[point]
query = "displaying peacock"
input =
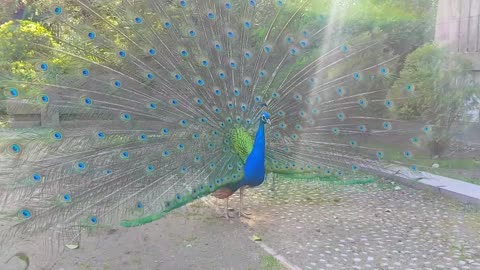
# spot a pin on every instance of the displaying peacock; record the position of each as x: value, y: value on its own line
x: 148, y: 105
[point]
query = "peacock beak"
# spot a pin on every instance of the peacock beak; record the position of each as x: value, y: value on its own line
x: 269, y: 122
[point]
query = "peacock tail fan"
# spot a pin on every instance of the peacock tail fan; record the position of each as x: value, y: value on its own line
x: 148, y: 105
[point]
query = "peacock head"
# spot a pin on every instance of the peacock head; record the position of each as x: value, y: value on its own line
x: 266, y: 118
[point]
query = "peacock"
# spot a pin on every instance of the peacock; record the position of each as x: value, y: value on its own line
x: 146, y: 105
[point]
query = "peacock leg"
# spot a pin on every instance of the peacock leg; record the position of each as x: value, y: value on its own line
x: 241, y: 213
x: 227, y: 216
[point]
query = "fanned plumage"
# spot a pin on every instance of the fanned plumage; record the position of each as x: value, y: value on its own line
x: 157, y: 103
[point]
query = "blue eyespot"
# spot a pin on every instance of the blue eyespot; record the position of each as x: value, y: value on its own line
x: 221, y: 75
x: 85, y: 72
x: 218, y: 92
x: 15, y: 148
x: 236, y: 92
x: 211, y: 15
x: 230, y: 34
x: 152, y: 105
x: 228, y: 6
x: 150, y: 76
x: 344, y: 48
x: 165, y: 131
x: 43, y: 66
x: 80, y: 165
x: 407, y: 154
x: 13, y: 92
x: 125, y: 116
x: 93, y: 220
x: 233, y: 64
x: 91, y: 35
x: 152, y: 51
x: 117, y: 83
x: 178, y: 77
x: 36, y: 177
x: 387, y: 125
x: 253, y: 3
x: 409, y: 87
x: 168, y: 25
x: 67, y: 198
x: 88, y: 101
x: 379, y: 154
x: 142, y: 137
x: 100, y: 135
x: 122, y: 54
x: 267, y: 49
x: 174, y: 102
x: 262, y: 73
x: 57, y: 10
x: 183, y: 3
x: 26, y: 213
x: 138, y: 20
x: 45, y: 99
x: 218, y: 47
x: 150, y: 168
x: 57, y: 135
x: 192, y: 33
x: 125, y: 155
x: 388, y: 104
x: 247, y: 24
x: 184, y: 53
x: 200, y: 82
x: 139, y: 205
x: 166, y: 153
x: 205, y: 63
x: 356, y: 76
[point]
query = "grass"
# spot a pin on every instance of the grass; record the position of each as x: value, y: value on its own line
x: 424, y: 162
x: 270, y: 263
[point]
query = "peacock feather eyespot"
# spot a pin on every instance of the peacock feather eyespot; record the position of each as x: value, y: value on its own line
x: 407, y: 154
x: 184, y: 53
x: 218, y: 46
x: 149, y: 76
x: 44, y: 99
x: 379, y: 154
x: 258, y: 99
x: 243, y: 107
x: 262, y: 73
x: 166, y: 153
x: 93, y: 220
x: 231, y: 105
x: 211, y: 15
x: 409, y: 87
x: 229, y: 120
x: 122, y: 54
x: 183, y: 122
x: 340, y: 91
x: 183, y: 170
x: 275, y: 95
x: 124, y: 155
x: 25, y: 213
x: 150, y: 168
x: 57, y: 10
x: 356, y: 76
x: 344, y: 48
x: 341, y: 116
x: 248, y: 121
x: 138, y: 20
x: 183, y: 3
x: 200, y: 82
x: 36, y: 177
x: 233, y: 64
x: 67, y: 197
x: 414, y: 140
x: 91, y: 35
x: 282, y: 125
x: 388, y: 104
x: 228, y: 6
x: 205, y: 63
x: 143, y: 137
x: 139, y: 205
x: 281, y: 113
x: 197, y: 158
x: 353, y: 143
x: 125, y: 117
x: 413, y: 168
x: 211, y: 186
x: 267, y: 49
x: 304, y: 43
x: 247, y: 24
x: 293, y: 51
x: 236, y: 92
x: 15, y: 148
x: 192, y: 33
x: 298, y: 127
x: 167, y: 25
x: 181, y: 146
x: 280, y: 3
x: 355, y: 168
x: 152, y: 105
x: 252, y: 3
x: 117, y: 83
x: 13, y: 92
x: 221, y: 74
x: 384, y: 71
x: 294, y: 137
x: 217, y: 181
x: 87, y: 101
x: 362, y: 128
x: 107, y: 172
x: 387, y: 125
x: 195, y: 136
x: 85, y: 72
x: 427, y: 129
x: 101, y: 135
x: 336, y: 131
x: 174, y: 102
x: 246, y: 82
x: 230, y: 34
x: 57, y: 135
x: 328, y: 171
x: 212, y: 165
x: 305, y: 33
x: 80, y: 165
x: 44, y: 66
x: 177, y: 77
x: 165, y: 131
x: 362, y: 102
x: 339, y: 173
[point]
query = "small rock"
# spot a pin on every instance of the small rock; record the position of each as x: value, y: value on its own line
x: 388, y: 210
x: 436, y: 165
x: 397, y: 188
